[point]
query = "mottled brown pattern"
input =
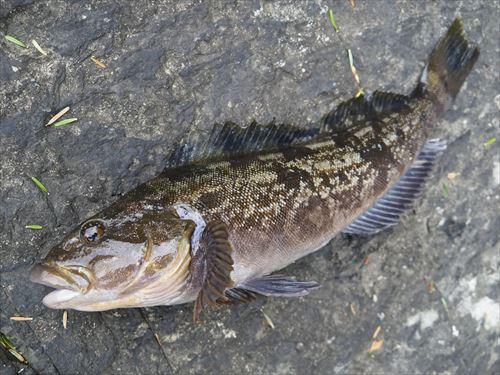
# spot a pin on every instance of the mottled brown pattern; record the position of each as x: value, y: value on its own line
x: 282, y: 204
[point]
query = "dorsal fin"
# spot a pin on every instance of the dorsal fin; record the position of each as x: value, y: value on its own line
x: 225, y: 140
x: 360, y: 111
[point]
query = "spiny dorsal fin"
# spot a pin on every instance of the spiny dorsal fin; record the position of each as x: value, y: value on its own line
x: 388, y: 209
x: 361, y: 110
x: 211, y: 266
x: 225, y: 140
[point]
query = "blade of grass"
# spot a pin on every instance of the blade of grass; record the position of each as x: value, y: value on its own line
x: 34, y: 227
x: 14, y: 40
x: 65, y: 122
x: 9, y: 347
x: 39, y: 184
x: 331, y: 16
x: 57, y: 116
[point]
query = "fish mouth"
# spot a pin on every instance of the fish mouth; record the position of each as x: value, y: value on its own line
x: 75, y: 278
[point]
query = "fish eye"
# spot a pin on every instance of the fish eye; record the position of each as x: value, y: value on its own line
x: 92, y: 232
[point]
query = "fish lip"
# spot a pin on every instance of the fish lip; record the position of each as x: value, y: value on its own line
x: 61, y: 278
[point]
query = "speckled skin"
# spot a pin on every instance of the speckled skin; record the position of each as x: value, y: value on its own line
x: 278, y: 205
x: 284, y: 204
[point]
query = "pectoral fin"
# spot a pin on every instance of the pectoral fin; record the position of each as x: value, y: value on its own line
x: 270, y: 286
x: 211, y: 267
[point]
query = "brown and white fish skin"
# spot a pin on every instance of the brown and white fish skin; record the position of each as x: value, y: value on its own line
x: 206, y: 231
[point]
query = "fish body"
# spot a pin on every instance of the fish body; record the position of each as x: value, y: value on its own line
x: 213, y: 229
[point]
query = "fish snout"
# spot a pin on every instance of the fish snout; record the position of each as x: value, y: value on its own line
x: 54, y: 276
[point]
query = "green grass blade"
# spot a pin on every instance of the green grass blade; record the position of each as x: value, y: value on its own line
x: 65, y: 122
x: 39, y: 184
x: 332, y: 20
x: 34, y: 227
x: 11, y: 39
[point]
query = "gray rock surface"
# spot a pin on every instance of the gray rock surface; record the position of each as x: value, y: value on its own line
x: 177, y: 65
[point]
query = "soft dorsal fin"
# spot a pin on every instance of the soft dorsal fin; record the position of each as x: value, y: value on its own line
x: 361, y: 110
x: 400, y: 198
x: 225, y: 140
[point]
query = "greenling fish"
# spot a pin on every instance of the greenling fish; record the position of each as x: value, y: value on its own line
x: 245, y: 202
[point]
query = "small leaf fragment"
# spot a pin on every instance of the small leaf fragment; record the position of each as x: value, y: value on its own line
x: 9, y: 347
x: 268, y: 320
x: 376, y: 345
x: 39, y: 184
x: 38, y: 48
x: 65, y: 319
x: 65, y: 122
x: 57, y: 116
x: 377, y: 331
x: 21, y: 318
x: 14, y: 40
x: 490, y: 141
x: 34, y: 227
x: 446, y: 192
x: 331, y: 16
x: 98, y: 62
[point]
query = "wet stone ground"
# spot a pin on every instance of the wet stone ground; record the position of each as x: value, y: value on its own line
x: 430, y: 283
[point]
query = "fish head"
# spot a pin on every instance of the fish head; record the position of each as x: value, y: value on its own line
x: 130, y: 255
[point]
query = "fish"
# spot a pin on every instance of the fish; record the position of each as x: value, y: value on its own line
x: 236, y: 205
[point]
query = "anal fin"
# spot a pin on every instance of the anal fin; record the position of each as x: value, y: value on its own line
x: 388, y: 209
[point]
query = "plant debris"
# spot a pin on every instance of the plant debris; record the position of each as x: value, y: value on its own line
x: 21, y: 318
x: 10, y: 348
x: 38, y: 48
x: 377, y: 331
x: 490, y: 141
x: 65, y: 319
x: 355, y: 74
x: 14, y: 40
x: 98, y: 62
x: 332, y: 20
x: 430, y: 287
x: 353, y: 308
x: 34, y: 227
x: 57, y: 116
x: 446, y: 192
x: 376, y: 345
x: 452, y: 175
x: 65, y: 122
x: 39, y: 184
x: 268, y: 320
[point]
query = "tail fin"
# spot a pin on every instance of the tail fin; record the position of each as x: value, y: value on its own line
x: 449, y: 65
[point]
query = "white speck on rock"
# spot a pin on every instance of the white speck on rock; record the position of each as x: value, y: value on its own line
x: 487, y: 311
x: 426, y: 319
x: 15, y: 68
x: 229, y: 333
x: 496, y: 173
x: 454, y: 331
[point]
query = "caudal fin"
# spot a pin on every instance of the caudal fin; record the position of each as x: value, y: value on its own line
x: 449, y: 65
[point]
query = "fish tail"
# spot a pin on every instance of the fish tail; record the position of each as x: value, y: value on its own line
x: 448, y: 66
